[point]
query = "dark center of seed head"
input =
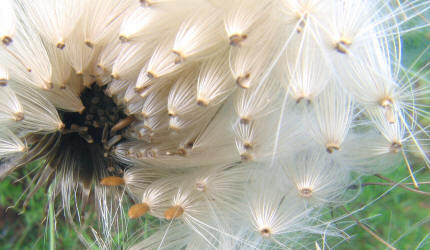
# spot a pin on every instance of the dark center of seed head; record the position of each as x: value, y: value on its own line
x: 88, y: 137
x: 99, y: 116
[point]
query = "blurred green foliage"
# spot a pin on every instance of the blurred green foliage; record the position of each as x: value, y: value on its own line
x: 27, y: 229
x: 400, y: 217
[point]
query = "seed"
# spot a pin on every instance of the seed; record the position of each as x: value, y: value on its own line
x: 112, y: 181
x: 173, y: 212
x: 138, y: 210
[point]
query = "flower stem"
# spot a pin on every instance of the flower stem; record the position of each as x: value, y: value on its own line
x: 402, y: 185
x: 51, y: 218
x: 365, y: 228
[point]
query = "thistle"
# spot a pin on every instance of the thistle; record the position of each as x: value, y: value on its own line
x: 236, y: 123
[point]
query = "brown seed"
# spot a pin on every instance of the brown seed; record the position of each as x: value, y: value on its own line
x: 305, y: 192
x: 171, y: 113
x: 202, y: 102
x: 395, y: 147
x: 245, y: 120
x: 342, y: 46
x: 61, y: 45
x: 151, y: 75
x: 112, y: 141
x: 243, y: 81
x: 145, y: 3
x: 77, y: 128
x: 3, y: 82
x: 179, y: 57
x: 248, y: 145
x: 331, y: 148
x: 89, y: 44
x: 105, y: 135
x: 246, y: 157
x: 266, y: 232
x: 123, y: 123
x: 123, y: 38
x: 6, y: 40
x: 138, y: 210
x: 173, y: 212
x: 308, y: 101
x: 190, y: 144
x: 112, y: 181
x: 302, y: 23
x: 236, y: 40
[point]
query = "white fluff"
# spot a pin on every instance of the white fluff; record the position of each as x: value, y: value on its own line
x: 198, y: 34
x: 214, y: 83
x: 334, y: 114
x: 54, y: 19
x: 7, y: 21
x: 10, y: 107
x: 10, y: 143
x: 102, y: 19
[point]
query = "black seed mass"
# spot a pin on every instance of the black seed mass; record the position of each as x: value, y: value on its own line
x: 83, y: 146
x: 100, y: 112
